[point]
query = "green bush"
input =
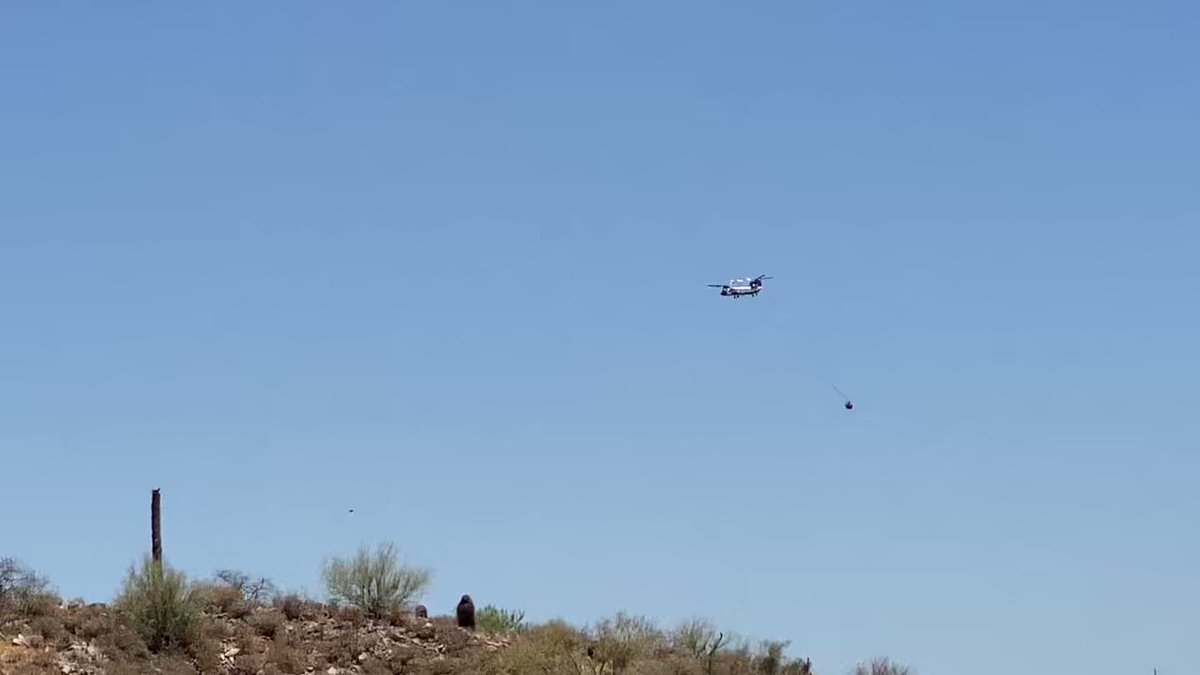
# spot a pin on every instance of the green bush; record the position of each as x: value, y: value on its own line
x: 377, y: 583
x: 496, y: 621
x: 160, y: 606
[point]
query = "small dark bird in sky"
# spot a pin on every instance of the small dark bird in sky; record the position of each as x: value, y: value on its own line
x: 351, y: 510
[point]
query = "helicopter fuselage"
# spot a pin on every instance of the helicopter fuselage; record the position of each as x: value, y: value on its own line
x: 739, y: 291
x: 736, y: 288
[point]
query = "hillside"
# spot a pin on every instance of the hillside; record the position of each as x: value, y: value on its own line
x: 273, y: 638
x: 162, y: 622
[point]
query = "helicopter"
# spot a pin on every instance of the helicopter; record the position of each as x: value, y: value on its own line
x: 739, y: 287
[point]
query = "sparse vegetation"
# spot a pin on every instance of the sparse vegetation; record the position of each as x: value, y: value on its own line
x: 17, y: 580
x: 24, y: 590
x: 254, y: 591
x: 496, y: 621
x: 623, y: 640
x: 160, y: 605
x: 772, y: 661
x: 232, y: 623
x: 377, y: 583
x: 697, y: 637
x: 882, y: 666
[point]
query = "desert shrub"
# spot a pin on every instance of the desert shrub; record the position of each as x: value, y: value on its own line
x: 51, y: 629
x: 160, y: 606
x: 696, y: 637
x: 707, y: 649
x: 796, y: 667
x: 377, y: 583
x: 292, y: 605
x: 494, y: 620
x: 671, y: 664
x: 38, y: 605
x: 17, y: 580
x: 116, y: 640
x: 881, y: 666
x: 24, y: 591
x: 352, y: 615
x: 770, y: 660
x: 205, y: 651
x: 625, y: 639
x: 234, y: 594
x: 444, y: 621
x: 268, y: 623
x: 217, y: 598
x: 623, y: 644
x: 400, y: 617
x: 257, y: 592
x: 555, y: 648
x: 712, y: 652
x: 285, y: 657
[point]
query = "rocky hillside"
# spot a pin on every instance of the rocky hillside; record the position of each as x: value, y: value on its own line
x: 289, y: 636
x: 161, y: 622
x: 285, y: 638
x: 292, y: 636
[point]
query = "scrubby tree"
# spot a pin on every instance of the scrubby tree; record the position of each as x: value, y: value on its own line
x: 19, y: 582
x: 160, y: 604
x: 882, y: 666
x: 377, y: 583
x: 255, y: 591
x: 624, y: 639
x: 25, y: 591
x: 771, y: 659
x: 696, y: 637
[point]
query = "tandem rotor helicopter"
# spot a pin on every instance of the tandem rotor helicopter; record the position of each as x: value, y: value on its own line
x: 736, y: 288
x: 739, y: 287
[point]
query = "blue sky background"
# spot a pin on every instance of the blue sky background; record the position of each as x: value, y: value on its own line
x: 446, y: 265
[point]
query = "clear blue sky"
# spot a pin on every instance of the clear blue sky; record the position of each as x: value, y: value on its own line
x: 446, y: 266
